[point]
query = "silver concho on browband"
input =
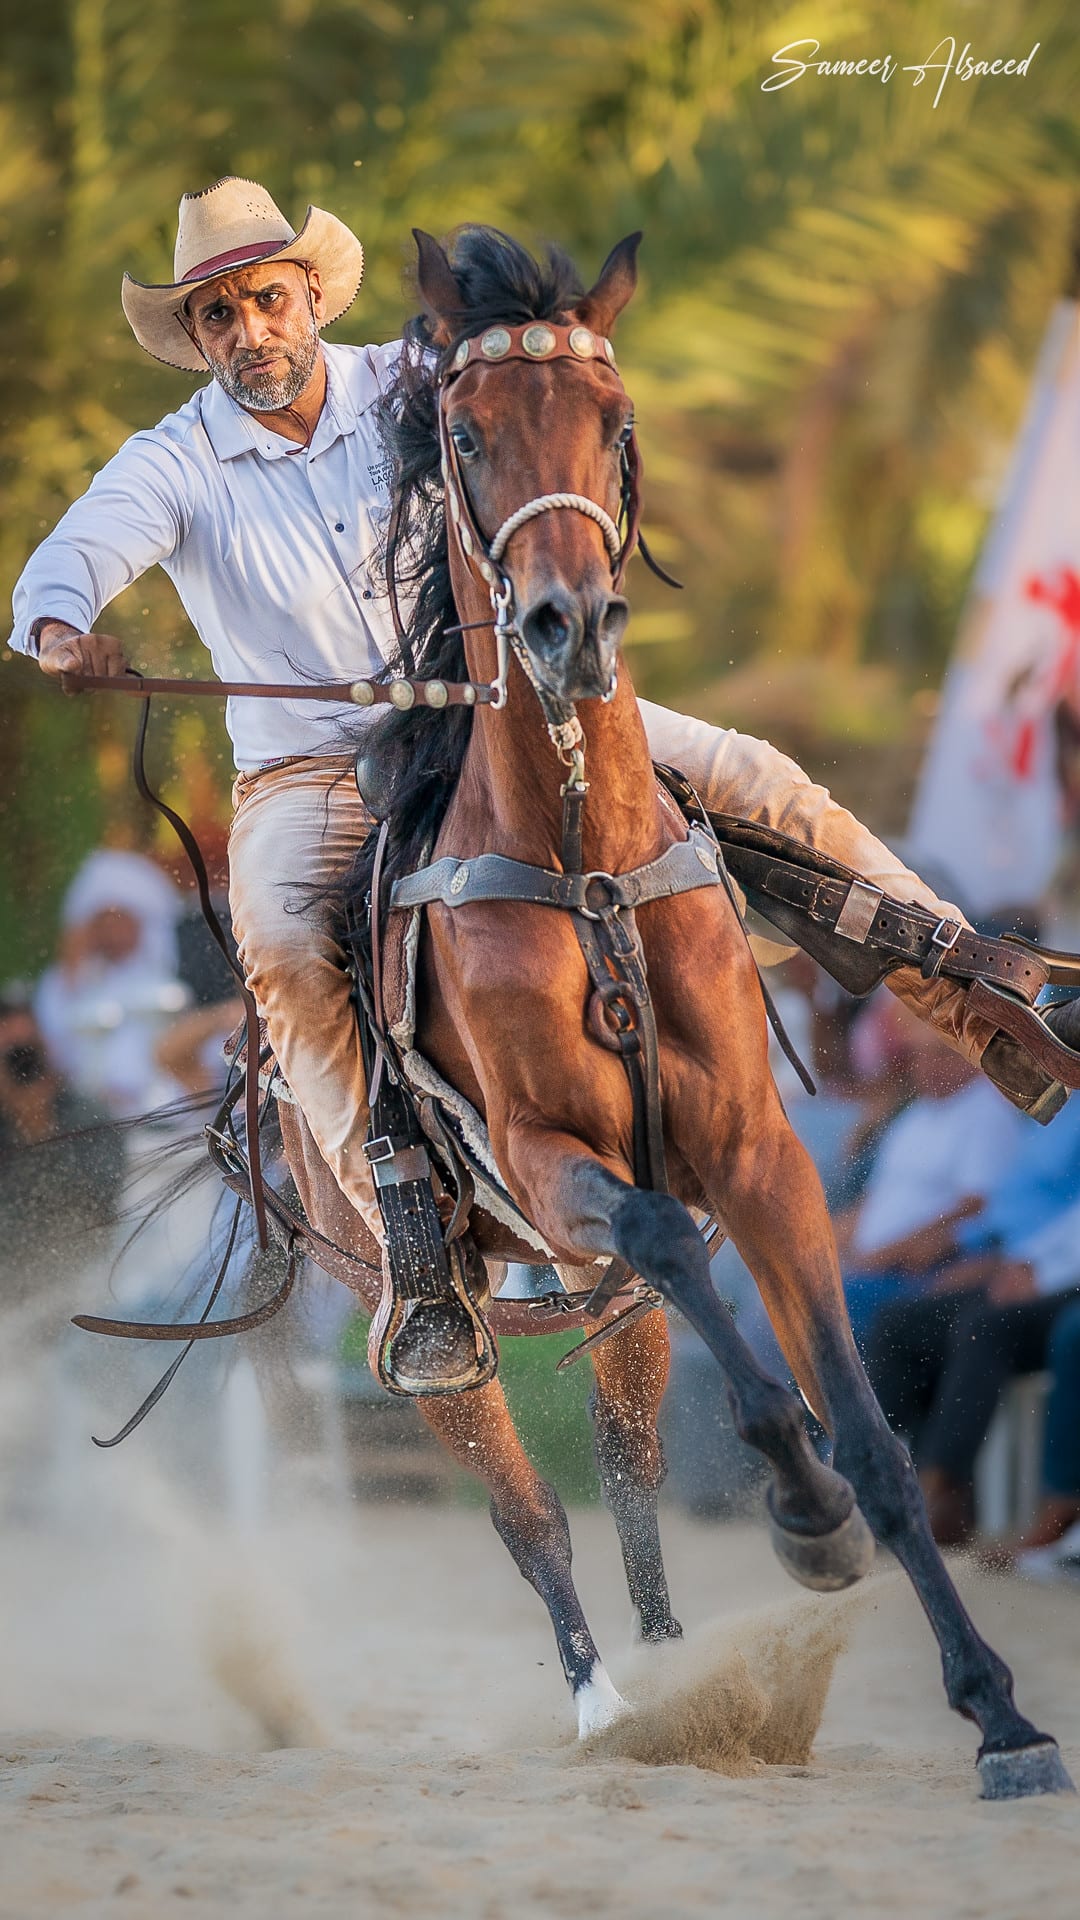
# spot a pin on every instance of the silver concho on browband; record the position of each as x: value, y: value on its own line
x: 539, y: 340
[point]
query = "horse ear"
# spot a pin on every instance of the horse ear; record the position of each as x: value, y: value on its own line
x: 439, y: 290
x: 603, y: 304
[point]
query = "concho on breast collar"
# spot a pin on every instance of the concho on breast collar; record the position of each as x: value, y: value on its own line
x: 538, y: 341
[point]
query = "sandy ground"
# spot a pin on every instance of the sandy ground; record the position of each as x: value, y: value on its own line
x: 360, y: 1711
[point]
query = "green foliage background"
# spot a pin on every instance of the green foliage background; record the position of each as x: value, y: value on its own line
x: 843, y: 293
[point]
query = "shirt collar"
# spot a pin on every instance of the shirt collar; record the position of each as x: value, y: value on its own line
x: 339, y: 413
x: 232, y: 430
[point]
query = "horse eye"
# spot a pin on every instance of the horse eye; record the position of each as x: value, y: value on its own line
x: 464, y: 443
x: 627, y: 433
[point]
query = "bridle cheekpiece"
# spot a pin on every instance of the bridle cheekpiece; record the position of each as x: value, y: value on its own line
x: 538, y: 341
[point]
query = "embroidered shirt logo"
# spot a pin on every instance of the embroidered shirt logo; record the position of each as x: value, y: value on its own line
x: 381, y: 472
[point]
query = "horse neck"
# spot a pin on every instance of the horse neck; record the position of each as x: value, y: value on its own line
x: 509, y: 796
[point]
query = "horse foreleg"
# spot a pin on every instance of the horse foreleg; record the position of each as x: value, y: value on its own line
x: 631, y: 1375
x: 789, y: 1247
x: 530, y: 1520
x: 582, y: 1206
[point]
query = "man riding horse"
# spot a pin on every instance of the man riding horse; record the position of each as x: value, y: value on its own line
x: 265, y: 501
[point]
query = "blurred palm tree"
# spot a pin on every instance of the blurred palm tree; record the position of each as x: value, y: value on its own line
x: 843, y: 292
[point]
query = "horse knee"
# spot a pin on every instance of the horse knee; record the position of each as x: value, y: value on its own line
x: 656, y: 1235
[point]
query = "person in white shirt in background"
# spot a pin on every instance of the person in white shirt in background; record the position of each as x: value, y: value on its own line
x: 937, y: 1164
x: 265, y: 500
x: 115, y: 988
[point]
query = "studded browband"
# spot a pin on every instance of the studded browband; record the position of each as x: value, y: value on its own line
x: 539, y: 340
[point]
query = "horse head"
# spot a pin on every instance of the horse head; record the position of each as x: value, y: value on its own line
x: 541, y: 469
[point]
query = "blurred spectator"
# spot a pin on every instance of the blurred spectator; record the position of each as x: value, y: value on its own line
x: 882, y: 1043
x: 936, y: 1166
x: 1061, y: 1456
x: 201, y: 964
x: 940, y: 1365
x: 54, y: 1188
x: 1050, y: 1545
x: 115, y: 985
x: 191, y: 1051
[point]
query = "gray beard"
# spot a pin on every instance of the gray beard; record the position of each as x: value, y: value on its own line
x: 266, y: 395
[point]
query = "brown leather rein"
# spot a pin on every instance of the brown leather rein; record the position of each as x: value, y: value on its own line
x: 402, y: 694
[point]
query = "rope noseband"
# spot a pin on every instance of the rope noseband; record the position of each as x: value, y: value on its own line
x: 546, y: 503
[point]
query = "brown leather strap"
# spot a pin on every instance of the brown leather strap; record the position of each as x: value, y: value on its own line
x: 251, y: 1013
x: 773, y: 868
x: 195, y: 1329
x: 1063, y: 968
x: 359, y: 693
x: 378, y: 1012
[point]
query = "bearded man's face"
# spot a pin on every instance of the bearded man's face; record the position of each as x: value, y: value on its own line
x: 259, y: 331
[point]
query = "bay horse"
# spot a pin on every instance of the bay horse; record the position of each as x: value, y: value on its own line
x: 532, y: 435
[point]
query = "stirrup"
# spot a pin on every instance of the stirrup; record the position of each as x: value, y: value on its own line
x: 436, y: 1341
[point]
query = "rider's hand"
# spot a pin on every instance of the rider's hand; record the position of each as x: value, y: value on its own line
x: 1014, y: 1281
x: 61, y: 649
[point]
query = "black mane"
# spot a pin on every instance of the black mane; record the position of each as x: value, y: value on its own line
x: 418, y: 755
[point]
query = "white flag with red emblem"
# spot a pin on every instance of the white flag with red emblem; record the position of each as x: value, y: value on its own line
x: 999, y: 782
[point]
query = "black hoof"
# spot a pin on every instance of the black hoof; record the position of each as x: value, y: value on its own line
x: 827, y: 1562
x: 1023, y: 1771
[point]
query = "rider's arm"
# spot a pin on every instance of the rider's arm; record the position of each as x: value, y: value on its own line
x: 135, y: 512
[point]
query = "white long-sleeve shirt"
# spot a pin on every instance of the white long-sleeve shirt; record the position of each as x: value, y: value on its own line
x: 1053, y: 1252
x: 272, y: 548
x: 936, y: 1154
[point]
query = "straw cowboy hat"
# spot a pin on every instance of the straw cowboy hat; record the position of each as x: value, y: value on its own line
x: 233, y: 224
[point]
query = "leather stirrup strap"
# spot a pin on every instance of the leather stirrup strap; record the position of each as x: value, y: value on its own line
x: 378, y: 1011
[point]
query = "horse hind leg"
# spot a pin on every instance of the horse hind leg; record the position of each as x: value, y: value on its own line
x: 631, y: 1376
x: 530, y: 1520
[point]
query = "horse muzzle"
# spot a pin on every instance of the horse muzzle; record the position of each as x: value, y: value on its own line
x: 573, y: 641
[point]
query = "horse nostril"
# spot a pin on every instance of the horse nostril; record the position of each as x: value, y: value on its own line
x: 613, y: 621
x: 550, y: 628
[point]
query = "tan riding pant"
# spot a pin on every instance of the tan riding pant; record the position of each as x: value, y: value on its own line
x: 297, y: 826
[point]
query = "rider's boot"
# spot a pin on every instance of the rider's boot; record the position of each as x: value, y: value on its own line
x: 423, y: 1347
x: 428, y: 1334
x: 1035, y: 1077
